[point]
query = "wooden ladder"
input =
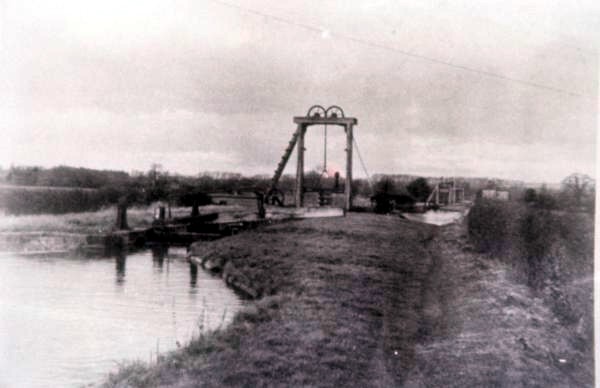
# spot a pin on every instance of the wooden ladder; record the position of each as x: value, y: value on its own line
x: 284, y: 159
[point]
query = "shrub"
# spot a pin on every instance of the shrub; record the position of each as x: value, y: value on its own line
x: 489, y: 224
x: 552, y: 250
x: 547, y: 200
x: 189, y: 196
x: 538, y: 229
x: 385, y: 185
x: 383, y: 204
x: 419, y: 189
x: 518, y: 234
x: 530, y: 196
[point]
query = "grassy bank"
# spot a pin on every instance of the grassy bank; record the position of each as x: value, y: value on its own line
x: 550, y: 251
x: 491, y: 329
x: 374, y: 301
x: 341, y: 306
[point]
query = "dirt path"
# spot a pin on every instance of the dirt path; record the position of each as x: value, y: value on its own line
x: 482, y: 329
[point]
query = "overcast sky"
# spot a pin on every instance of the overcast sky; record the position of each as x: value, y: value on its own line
x: 472, y: 88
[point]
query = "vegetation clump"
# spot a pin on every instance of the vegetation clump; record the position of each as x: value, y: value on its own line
x: 389, y: 196
x: 419, y: 189
x: 549, y: 244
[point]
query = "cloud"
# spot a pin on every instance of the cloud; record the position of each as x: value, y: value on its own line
x: 148, y: 81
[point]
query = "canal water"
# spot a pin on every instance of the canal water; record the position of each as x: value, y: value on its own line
x: 434, y: 217
x: 67, y: 322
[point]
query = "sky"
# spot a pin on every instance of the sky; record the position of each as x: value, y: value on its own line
x: 507, y: 89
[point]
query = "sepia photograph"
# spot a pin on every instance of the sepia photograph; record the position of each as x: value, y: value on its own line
x: 262, y: 193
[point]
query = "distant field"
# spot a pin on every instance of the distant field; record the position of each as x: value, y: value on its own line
x: 82, y: 222
x: 42, y: 188
x: 64, y: 232
x: 99, y: 221
x: 49, y: 200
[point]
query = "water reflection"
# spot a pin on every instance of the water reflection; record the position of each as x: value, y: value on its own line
x: 120, y: 261
x: 434, y: 217
x: 193, y: 275
x: 99, y: 319
x: 159, y: 252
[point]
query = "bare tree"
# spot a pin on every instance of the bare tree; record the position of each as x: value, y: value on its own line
x: 578, y: 187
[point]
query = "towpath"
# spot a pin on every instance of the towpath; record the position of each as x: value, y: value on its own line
x: 368, y: 300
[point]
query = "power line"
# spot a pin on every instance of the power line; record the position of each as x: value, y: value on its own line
x: 466, y: 68
x: 425, y: 58
x: 270, y: 16
x: 502, y: 27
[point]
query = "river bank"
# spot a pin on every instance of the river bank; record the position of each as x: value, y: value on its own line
x: 340, y: 306
x: 97, y: 221
x: 371, y: 300
x: 66, y: 232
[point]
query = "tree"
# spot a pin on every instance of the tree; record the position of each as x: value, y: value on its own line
x: 384, y: 189
x: 313, y: 179
x: 578, y: 187
x: 155, y: 172
x: 530, y: 196
x: 385, y: 186
x: 419, y: 189
x: 546, y: 199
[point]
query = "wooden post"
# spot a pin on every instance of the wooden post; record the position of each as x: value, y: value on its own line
x: 159, y: 252
x: 195, y: 210
x: 120, y: 262
x: 193, y: 274
x: 121, y: 223
x: 300, y: 167
x: 260, y: 203
x: 348, y: 183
